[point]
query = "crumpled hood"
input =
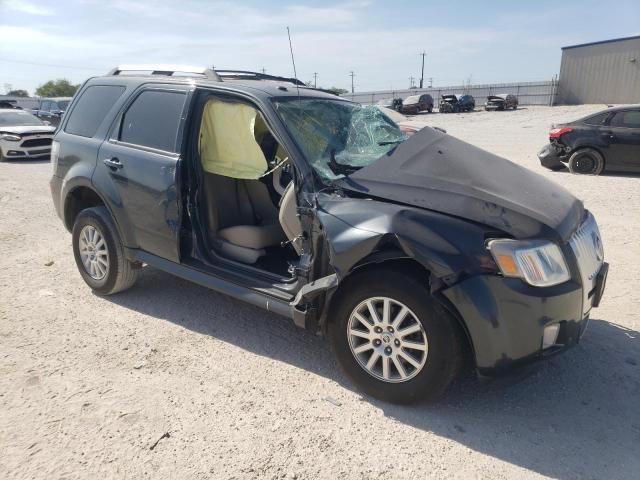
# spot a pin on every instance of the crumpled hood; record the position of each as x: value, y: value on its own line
x: 22, y: 129
x: 438, y: 172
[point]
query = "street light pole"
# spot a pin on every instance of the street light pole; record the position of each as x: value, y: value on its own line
x: 422, y: 76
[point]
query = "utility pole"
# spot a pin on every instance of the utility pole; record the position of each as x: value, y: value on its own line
x: 411, y: 82
x: 430, y: 82
x: 422, y: 76
x: 264, y: 70
x: 351, y: 74
x: 315, y: 79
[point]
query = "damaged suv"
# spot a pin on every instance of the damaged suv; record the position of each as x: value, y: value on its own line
x: 410, y: 253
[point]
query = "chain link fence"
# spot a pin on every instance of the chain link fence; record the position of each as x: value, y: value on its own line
x: 528, y: 93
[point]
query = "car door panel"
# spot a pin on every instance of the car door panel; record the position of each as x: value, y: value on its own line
x: 623, y: 137
x: 142, y: 185
x: 145, y: 194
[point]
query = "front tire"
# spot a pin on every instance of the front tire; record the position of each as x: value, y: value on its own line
x: 99, y: 253
x: 586, y: 161
x: 393, y: 339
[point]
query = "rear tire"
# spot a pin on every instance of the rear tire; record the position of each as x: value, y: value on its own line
x: 375, y: 358
x: 99, y: 253
x: 586, y: 161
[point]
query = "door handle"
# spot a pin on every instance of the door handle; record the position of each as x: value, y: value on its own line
x: 112, y: 163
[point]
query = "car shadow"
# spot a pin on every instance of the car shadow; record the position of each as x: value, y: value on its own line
x: 575, y: 416
x: 605, y: 174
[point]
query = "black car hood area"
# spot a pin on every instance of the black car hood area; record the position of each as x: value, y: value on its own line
x: 438, y: 172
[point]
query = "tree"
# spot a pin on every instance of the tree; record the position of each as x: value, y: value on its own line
x: 18, y: 93
x: 336, y: 90
x: 57, y: 88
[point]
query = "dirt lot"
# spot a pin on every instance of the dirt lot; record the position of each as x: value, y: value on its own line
x: 88, y: 385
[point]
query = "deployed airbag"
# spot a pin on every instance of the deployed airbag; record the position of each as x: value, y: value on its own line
x: 227, y: 142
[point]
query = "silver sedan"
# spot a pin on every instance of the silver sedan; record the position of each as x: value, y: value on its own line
x: 24, y: 136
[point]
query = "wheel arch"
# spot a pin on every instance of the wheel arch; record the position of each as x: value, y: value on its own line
x: 397, y: 260
x: 78, y: 199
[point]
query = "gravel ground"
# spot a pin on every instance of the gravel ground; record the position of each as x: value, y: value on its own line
x: 170, y: 380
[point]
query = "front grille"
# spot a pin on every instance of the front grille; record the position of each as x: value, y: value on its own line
x: 36, y: 142
x: 586, y: 244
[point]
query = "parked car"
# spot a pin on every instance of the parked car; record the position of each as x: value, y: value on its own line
x: 23, y: 136
x: 406, y: 124
x: 457, y: 103
x: 503, y: 101
x: 324, y: 211
x: 392, y: 103
x: 606, y: 141
x: 10, y: 104
x: 52, y: 109
x: 417, y: 103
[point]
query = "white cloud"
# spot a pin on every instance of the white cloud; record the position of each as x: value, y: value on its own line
x: 29, y: 8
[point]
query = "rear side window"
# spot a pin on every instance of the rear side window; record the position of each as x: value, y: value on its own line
x: 630, y: 119
x: 91, y: 108
x: 153, y: 119
x: 597, y: 119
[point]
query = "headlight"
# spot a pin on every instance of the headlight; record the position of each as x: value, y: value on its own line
x: 11, y: 138
x: 538, y: 262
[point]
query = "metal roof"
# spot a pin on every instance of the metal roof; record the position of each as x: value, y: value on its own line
x: 602, y: 41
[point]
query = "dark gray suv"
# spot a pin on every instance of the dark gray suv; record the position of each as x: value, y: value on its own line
x: 410, y: 253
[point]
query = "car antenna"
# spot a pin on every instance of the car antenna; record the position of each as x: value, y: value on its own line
x: 295, y: 74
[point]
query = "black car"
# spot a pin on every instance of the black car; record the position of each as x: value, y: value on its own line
x: 324, y: 211
x: 457, y: 103
x: 502, y: 101
x: 416, y: 103
x: 605, y: 141
x: 52, y: 109
x: 10, y: 104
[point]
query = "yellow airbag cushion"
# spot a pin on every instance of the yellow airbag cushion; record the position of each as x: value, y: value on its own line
x: 227, y: 143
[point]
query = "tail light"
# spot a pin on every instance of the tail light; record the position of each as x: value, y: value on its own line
x: 556, y: 133
x: 55, y: 151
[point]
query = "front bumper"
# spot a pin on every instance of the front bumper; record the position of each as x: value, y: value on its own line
x: 505, y: 318
x: 15, y: 152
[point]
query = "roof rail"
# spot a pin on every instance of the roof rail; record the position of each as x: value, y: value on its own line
x: 248, y: 75
x: 169, y: 70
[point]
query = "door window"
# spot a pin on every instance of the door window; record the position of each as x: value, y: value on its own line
x: 628, y: 119
x: 598, y: 119
x: 45, y: 106
x: 153, y: 119
x: 91, y: 109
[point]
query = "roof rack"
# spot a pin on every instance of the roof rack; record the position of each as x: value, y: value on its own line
x: 248, y: 75
x: 168, y: 70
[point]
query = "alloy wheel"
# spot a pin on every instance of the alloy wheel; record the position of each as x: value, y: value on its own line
x: 93, y: 252
x: 387, y: 339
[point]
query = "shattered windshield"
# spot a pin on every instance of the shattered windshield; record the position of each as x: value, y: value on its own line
x: 338, y: 137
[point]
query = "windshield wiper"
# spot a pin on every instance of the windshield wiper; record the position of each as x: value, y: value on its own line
x: 390, y: 142
x: 340, y: 168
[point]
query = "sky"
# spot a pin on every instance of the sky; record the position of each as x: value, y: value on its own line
x: 380, y: 41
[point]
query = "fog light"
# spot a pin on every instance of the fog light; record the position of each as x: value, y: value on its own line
x: 550, y: 335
